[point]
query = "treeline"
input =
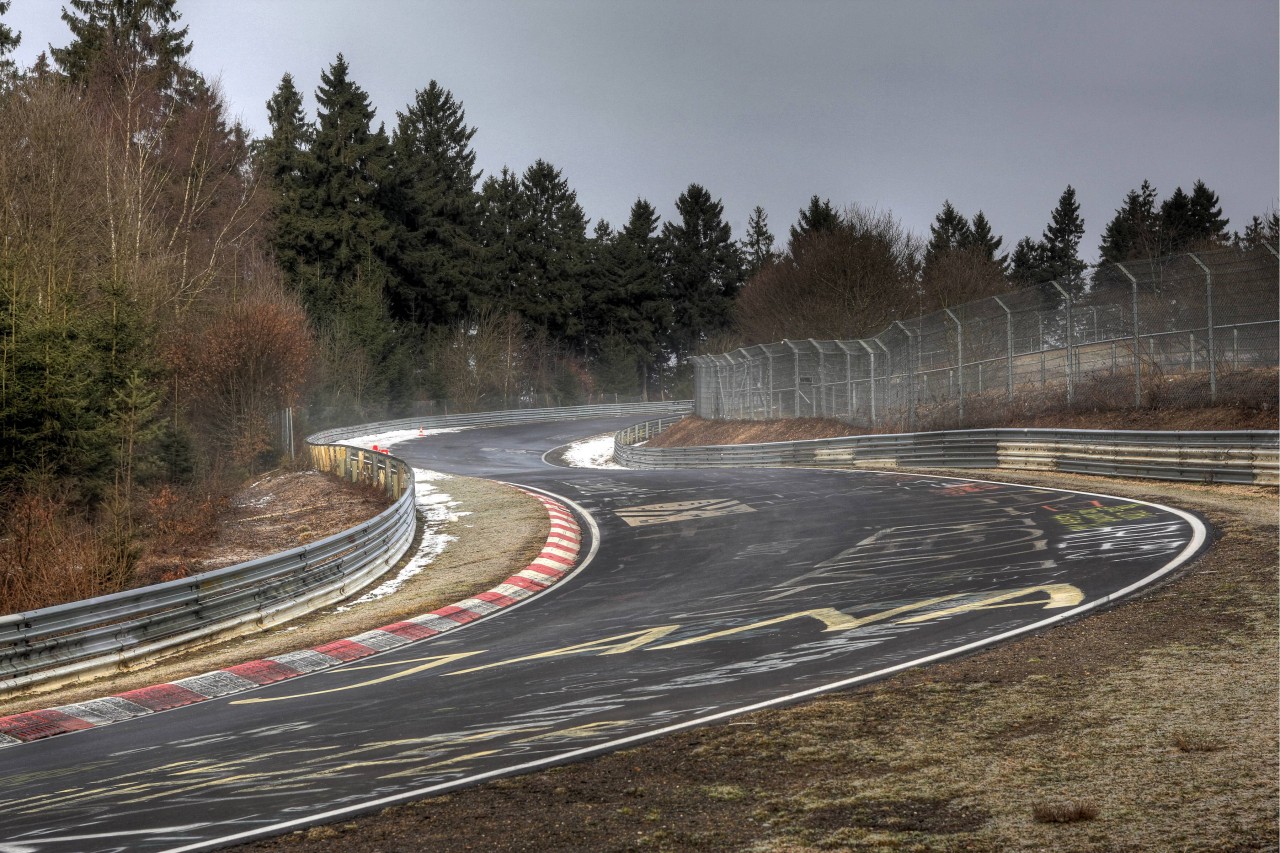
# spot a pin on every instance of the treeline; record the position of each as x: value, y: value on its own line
x: 850, y: 273
x: 147, y: 338
x: 427, y: 280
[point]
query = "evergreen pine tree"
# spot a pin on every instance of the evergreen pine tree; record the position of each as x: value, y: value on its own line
x: 981, y: 237
x: 950, y: 231
x: 1134, y: 232
x: 1026, y: 265
x: 703, y: 270
x: 9, y: 39
x: 503, y: 226
x: 285, y: 157
x: 125, y: 40
x: 1205, y: 222
x: 351, y: 166
x: 1061, y: 241
x: 1175, y: 223
x: 628, y: 305
x: 437, y: 209
x: 553, y: 254
x: 349, y: 238
x: 819, y: 217
x: 1259, y: 232
x: 757, y: 247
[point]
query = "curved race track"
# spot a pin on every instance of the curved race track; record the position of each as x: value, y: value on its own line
x: 704, y: 593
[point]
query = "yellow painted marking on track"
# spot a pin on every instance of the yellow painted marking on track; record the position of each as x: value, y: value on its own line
x: 1060, y: 595
x: 641, y: 516
x: 635, y: 639
x: 833, y: 619
x: 168, y: 791
x: 439, y: 660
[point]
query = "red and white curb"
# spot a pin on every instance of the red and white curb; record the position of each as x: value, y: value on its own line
x: 558, y: 557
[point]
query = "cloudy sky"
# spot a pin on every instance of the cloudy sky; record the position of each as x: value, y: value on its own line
x: 900, y: 105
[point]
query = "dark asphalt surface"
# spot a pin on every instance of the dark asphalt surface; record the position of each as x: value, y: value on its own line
x: 725, y: 590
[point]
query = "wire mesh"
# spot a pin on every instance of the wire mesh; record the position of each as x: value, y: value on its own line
x: 1194, y: 328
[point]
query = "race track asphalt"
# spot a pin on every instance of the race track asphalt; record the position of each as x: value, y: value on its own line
x: 705, y: 593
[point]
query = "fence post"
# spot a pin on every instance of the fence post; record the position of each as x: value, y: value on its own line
x: 795, y: 376
x: 822, y: 378
x: 1208, y: 308
x: 1040, y: 345
x: 848, y: 378
x: 888, y: 367
x: 768, y: 409
x: 1071, y: 396
x: 959, y: 359
x: 872, y: 353
x: 1137, y: 344
x: 911, y: 376
x: 1008, y: 326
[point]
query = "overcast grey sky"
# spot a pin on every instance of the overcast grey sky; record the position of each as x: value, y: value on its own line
x: 993, y: 105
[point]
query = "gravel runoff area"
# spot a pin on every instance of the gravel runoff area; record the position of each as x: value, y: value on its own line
x: 1151, y: 726
x: 472, y: 534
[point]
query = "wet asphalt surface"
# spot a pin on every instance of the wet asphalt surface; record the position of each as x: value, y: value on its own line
x: 705, y: 593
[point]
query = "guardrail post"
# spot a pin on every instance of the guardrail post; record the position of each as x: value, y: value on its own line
x: 1208, y: 307
x: 1137, y: 344
x: 1008, y: 333
x: 959, y: 359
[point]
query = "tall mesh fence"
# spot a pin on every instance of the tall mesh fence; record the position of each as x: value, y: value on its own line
x: 1186, y: 329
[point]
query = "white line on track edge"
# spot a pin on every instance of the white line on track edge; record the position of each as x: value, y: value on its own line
x: 1198, y: 538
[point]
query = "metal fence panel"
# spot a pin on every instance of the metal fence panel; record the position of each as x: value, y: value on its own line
x: 1207, y: 319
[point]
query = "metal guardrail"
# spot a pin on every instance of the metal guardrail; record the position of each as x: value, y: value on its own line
x: 1251, y: 457
x: 74, y: 640
x: 506, y: 417
x: 71, y: 641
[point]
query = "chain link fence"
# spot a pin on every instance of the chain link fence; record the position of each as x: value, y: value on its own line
x: 1194, y: 328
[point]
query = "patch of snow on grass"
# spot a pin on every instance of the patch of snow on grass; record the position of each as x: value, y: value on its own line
x: 435, y: 509
x: 594, y: 452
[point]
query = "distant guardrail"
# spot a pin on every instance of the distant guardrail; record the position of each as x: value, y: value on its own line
x: 77, y: 640
x: 506, y: 417
x: 1251, y: 457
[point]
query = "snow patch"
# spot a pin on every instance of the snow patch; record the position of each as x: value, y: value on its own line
x: 594, y: 452
x: 386, y: 440
x: 435, y: 509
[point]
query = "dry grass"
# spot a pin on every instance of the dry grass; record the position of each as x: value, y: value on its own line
x: 1064, y: 811
x: 1247, y: 399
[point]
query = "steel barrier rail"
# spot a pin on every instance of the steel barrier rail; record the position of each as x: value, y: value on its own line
x: 504, y: 418
x: 1251, y: 457
x: 71, y: 641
